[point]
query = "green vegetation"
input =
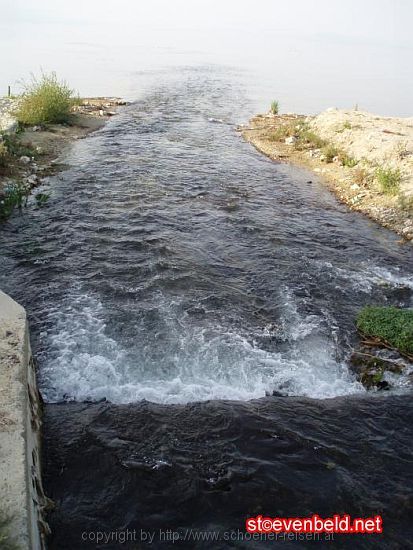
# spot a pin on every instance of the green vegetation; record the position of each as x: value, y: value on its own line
x: 12, y: 196
x: 389, y: 179
x: 41, y: 199
x: 15, y: 147
x: 11, y: 149
x: 280, y: 133
x: 348, y: 161
x: 307, y: 138
x: 390, y: 325
x: 6, y: 542
x: 330, y: 152
x: 45, y: 100
x: 274, y: 107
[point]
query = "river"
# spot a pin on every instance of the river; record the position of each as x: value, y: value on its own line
x: 192, y: 310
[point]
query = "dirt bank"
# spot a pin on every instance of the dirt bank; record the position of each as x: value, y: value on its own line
x: 366, y: 160
x: 37, y: 149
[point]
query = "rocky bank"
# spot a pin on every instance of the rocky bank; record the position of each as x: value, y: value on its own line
x: 348, y: 149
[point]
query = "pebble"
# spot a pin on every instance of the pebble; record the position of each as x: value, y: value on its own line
x: 24, y: 159
x: 290, y: 140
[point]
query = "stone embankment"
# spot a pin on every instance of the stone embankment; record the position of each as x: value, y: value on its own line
x: 22, y: 499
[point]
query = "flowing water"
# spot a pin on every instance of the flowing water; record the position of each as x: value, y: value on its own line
x: 208, y: 295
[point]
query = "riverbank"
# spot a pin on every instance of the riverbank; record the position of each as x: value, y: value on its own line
x: 35, y: 151
x: 366, y: 160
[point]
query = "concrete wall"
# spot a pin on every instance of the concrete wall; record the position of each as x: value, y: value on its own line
x: 21, y: 492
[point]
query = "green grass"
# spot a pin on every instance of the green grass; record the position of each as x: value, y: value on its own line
x: 45, y: 100
x: 389, y: 179
x: 308, y: 137
x: 275, y: 106
x: 12, y: 196
x: 391, y: 325
x: 348, y: 161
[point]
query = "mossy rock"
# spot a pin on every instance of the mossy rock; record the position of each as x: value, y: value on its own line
x: 390, y: 325
x: 370, y: 369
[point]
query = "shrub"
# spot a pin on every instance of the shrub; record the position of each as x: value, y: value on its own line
x: 330, y: 152
x: 45, y: 100
x: 389, y: 179
x: 348, y: 161
x: 274, y: 107
x: 307, y: 136
x: 280, y: 133
x: 390, y: 325
x: 361, y: 177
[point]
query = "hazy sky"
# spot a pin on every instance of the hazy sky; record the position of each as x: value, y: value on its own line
x: 387, y: 20
x: 369, y: 43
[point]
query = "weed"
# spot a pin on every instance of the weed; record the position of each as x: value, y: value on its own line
x: 308, y: 137
x: 348, y: 161
x: 13, y: 195
x: 15, y: 147
x: 274, y: 107
x: 406, y: 202
x: 45, y: 100
x: 361, y: 177
x: 41, y: 199
x: 280, y: 133
x: 330, y: 152
x: 346, y: 126
x: 389, y: 179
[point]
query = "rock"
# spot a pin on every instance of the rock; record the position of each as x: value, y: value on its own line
x: 290, y: 140
x: 32, y: 180
x: 355, y: 186
x: 25, y: 159
x: 370, y: 369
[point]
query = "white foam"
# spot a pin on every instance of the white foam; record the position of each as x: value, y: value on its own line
x: 84, y: 363
x: 364, y: 276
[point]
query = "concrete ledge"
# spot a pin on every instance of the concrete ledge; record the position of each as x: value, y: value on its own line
x: 21, y: 492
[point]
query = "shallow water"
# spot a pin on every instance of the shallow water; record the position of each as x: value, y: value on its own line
x: 175, y: 264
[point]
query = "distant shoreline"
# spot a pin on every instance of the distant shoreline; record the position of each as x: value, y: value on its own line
x: 348, y: 149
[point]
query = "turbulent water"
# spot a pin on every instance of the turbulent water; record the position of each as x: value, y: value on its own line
x: 174, y: 264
